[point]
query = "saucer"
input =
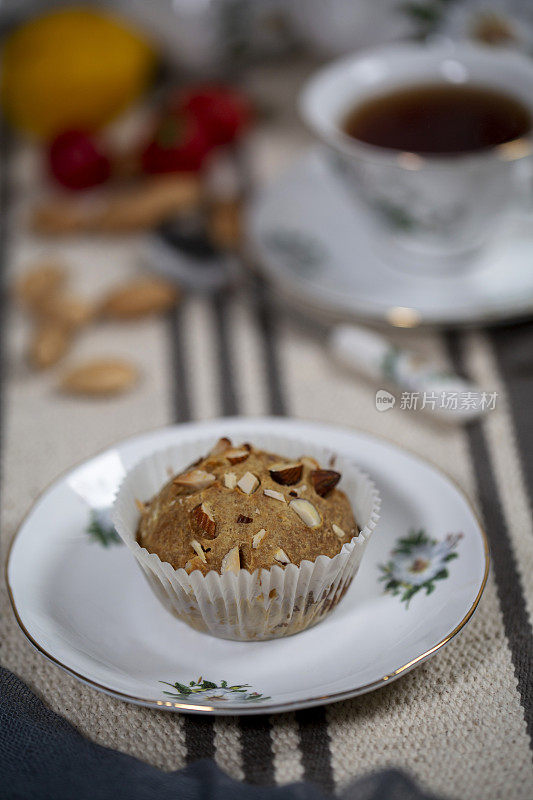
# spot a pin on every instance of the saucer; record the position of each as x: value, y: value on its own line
x: 81, y: 599
x: 318, y: 247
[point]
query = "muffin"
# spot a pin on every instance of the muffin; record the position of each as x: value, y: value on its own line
x: 246, y: 508
x: 249, y: 542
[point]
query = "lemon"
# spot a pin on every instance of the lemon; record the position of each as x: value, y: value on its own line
x: 73, y: 68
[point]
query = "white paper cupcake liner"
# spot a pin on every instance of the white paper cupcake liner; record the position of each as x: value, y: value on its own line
x: 265, y: 604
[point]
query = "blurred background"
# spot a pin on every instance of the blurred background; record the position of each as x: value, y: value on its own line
x: 135, y: 136
x: 135, y: 139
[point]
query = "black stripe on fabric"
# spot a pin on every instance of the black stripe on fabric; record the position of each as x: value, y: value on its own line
x: 199, y: 731
x: 515, y: 618
x: 5, y: 148
x: 256, y: 746
x: 315, y: 747
x: 179, y: 384
x: 267, y: 329
x: 199, y: 737
x: 513, y: 347
x: 229, y: 404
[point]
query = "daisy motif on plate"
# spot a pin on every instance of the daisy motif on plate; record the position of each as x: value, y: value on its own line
x: 204, y: 690
x: 417, y: 562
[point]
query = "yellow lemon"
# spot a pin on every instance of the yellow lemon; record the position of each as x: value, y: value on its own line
x: 76, y: 67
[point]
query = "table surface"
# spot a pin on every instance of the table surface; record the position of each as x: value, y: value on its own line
x: 462, y: 722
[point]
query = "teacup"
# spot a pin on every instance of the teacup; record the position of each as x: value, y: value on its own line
x: 436, y: 210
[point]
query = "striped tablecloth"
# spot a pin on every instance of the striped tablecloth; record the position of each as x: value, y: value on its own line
x: 462, y: 722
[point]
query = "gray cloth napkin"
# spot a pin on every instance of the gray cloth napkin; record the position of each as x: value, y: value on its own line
x: 43, y: 757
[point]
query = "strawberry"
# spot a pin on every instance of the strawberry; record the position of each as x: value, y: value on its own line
x: 223, y: 112
x: 179, y: 144
x: 76, y: 161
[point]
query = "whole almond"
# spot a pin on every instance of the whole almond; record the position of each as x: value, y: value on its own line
x: 40, y: 283
x: 142, y: 205
x: 140, y: 297
x: 60, y: 217
x: 106, y: 376
x: 74, y: 312
x: 225, y: 223
x: 50, y: 342
x: 148, y: 203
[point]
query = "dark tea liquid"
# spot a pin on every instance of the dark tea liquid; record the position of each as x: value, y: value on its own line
x: 439, y: 119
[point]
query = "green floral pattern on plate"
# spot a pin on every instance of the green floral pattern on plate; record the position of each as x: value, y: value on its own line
x: 303, y: 254
x: 208, y: 690
x: 101, y: 530
x: 416, y: 563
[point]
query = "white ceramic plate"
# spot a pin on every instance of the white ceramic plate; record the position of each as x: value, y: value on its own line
x: 315, y: 244
x: 88, y: 608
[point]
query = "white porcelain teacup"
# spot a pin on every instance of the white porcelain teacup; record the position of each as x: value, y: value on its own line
x: 433, y: 208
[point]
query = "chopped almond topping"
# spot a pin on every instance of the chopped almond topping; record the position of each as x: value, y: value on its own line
x: 230, y: 480
x: 197, y: 547
x: 204, y: 519
x: 237, y: 454
x: 274, y: 494
x: 195, y: 479
x: 307, y: 512
x: 282, y: 557
x: 324, y: 481
x: 338, y: 531
x: 248, y: 483
x: 142, y: 508
x: 231, y: 561
x: 258, y: 538
x: 221, y: 446
x: 286, y: 474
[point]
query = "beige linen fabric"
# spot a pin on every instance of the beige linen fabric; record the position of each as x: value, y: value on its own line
x: 456, y: 723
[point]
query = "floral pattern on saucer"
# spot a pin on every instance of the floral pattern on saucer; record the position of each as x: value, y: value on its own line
x: 101, y: 529
x: 303, y: 254
x: 208, y: 690
x: 417, y: 562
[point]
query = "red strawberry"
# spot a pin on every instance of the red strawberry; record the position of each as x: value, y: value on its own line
x: 178, y: 145
x: 223, y: 112
x: 76, y: 162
